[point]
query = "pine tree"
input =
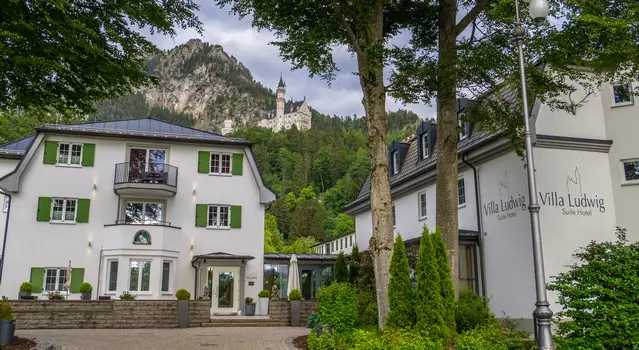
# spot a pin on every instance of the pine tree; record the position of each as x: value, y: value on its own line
x: 341, y: 270
x: 356, y: 262
x: 429, y: 300
x: 446, y: 285
x: 400, y: 291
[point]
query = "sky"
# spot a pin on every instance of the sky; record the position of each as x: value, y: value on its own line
x: 252, y: 48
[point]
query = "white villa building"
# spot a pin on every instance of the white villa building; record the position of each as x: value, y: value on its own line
x: 343, y: 244
x: 140, y: 205
x: 587, y: 169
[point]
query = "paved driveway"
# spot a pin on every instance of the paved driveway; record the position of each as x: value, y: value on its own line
x: 183, y: 339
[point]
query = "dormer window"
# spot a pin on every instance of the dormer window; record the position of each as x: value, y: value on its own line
x: 463, y: 133
x: 395, y: 156
x: 424, y: 145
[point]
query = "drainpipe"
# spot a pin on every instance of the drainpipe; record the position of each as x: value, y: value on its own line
x: 6, y: 232
x: 195, y: 287
x: 479, y: 225
x: 100, y: 274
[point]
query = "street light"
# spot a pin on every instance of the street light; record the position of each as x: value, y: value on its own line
x: 542, y: 315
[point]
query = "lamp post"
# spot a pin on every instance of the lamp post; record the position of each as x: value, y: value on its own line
x: 542, y: 315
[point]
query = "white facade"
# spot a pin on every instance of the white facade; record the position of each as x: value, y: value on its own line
x: 580, y: 193
x: 104, y: 248
x: 343, y: 244
x: 287, y: 114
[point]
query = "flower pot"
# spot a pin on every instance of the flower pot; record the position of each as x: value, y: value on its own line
x: 249, y: 309
x: 85, y: 296
x: 183, y: 313
x: 23, y: 295
x: 7, y: 330
x: 263, y: 306
x: 295, y: 313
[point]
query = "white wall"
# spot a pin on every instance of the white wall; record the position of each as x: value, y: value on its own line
x: 36, y: 244
x: 6, y: 166
x: 342, y: 244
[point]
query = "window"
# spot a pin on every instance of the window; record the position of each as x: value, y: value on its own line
x: 467, y: 267
x: 148, y: 213
x: 425, y: 146
x: 112, y: 278
x: 462, y: 129
x: 219, y: 216
x: 5, y: 204
x: 461, y: 192
x: 622, y: 95
x: 327, y: 248
x: 166, y: 273
x: 220, y: 163
x: 631, y: 171
x: 423, y: 210
x: 139, y: 275
x: 143, y: 160
x: 55, y: 279
x: 63, y: 209
x: 395, y: 162
x: 69, y: 154
x: 341, y: 243
x: 394, y: 220
x: 351, y: 241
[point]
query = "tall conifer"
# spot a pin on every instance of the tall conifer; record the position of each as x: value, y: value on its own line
x: 341, y: 270
x: 400, y: 291
x: 429, y: 300
x: 446, y: 285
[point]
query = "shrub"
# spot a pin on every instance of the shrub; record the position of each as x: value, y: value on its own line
x: 6, y: 310
x: 249, y: 301
x: 26, y: 287
x: 429, y: 300
x: 471, y: 312
x: 325, y: 342
x: 127, y: 296
x: 313, y: 319
x: 182, y: 294
x: 356, y: 262
x: 366, y: 340
x: 264, y: 294
x: 366, y: 293
x: 485, y: 337
x: 446, y: 285
x: 598, y: 295
x: 337, y: 306
x: 400, y: 290
x: 86, y: 287
x: 341, y: 270
x: 403, y: 339
x: 294, y: 294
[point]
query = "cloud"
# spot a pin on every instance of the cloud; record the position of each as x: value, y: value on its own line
x: 240, y: 39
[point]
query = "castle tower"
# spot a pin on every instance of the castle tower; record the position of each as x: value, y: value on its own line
x: 280, y: 100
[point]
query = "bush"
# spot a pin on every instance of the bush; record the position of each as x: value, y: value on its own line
x: 6, y: 310
x: 341, y: 270
x: 403, y: 339
x: 182, y: 294
x: 249, y: 301
x: 598, y: 295
x: 366, y: 293
x: 400, y: 290
x: 325, y: 342
x: 337, y: 305
x: 264, y: 294
x: 471, y: 312
x: 313, y: 319
x: 366, y: 340
x: 445, y: 283
x: 26, y: 287
x: 86, y: 287
x: 356, y: 262
x: 294, y: 294
x: 429, y: 307
x: 486, y: 337
x: 127, y: 296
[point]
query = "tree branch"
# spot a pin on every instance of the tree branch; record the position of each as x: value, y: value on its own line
x: 470, y: 16
x: 347, y: 27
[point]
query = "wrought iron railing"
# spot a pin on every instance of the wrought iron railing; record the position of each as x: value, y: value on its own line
x: 155, y: 223
x: 159, y: 174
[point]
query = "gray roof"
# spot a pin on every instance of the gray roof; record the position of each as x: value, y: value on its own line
x: 287, y: 256
x: 15, y: 149
x: 223, y: 256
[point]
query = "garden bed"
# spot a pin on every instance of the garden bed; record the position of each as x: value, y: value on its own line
x: 19, y: 344
x: 300, y: 342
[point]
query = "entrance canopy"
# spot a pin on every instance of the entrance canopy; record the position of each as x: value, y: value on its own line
x: 222, y: 256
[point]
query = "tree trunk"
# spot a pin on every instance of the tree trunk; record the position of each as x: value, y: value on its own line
x: 447, y: 134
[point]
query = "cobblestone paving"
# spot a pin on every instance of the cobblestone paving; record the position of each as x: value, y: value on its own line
x: 232, y: 338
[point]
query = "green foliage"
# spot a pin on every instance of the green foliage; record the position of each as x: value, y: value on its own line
x: 26, y: 287
x: 339, y: 225
x: 127, y: 296
x: 99, y: 40
x: 429, y: 308
x: 486, y: 337
x: 294, y: 294
x: 182, y: 294
x: 133, y: 106
x: 314, y: 319
x: 300, y: 246
x: 20, y: 123
x: 249, y: 301
x: 471, y: 312
x: 356, y: 262
x: 325, y: 342
x: 6, y: 310
x: 265, y: 293
x: 400, y: 291
x: 598, y: 295
x: 366, y: 292
x: 341, y: 269
x: 446, y: 285
x: 86, y: 287
x: 272, y: 236
x: 337, y: 306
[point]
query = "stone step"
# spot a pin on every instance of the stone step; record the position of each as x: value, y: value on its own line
x: 241, y: 320
x: 245, y: 324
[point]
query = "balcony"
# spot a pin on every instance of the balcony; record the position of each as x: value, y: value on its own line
x: 157, y: 180
x: 152, y: 237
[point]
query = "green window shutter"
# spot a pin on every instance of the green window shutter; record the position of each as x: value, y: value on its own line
x: 77, y: 278
x: 44, y: 209
x: 88, y: 154
x: 50, y: 152
x: 236, y: 216
x: 203, y: 159
x: 83, y: 210
x: 37, y: 279
x: 238, y: 162
x: 201, y: 215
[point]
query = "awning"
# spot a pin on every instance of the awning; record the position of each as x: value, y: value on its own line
x: 222, y: 256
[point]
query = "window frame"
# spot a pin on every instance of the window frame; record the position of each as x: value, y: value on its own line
x: 70, y: 155
x: 425, y: 149
x: 59, y: 284
x: 459, y: 195
x: 625, y: 181
x: 625, y: 103
x: 64, y: 211
x: 144, y: 203
x: 169, y: 277
x: 219, y: 172
x: 218, y: 226
x: 395, y: 156
x: 109, y: 275
x: 140, y: 261
x: 463, y: 133
x: 420, y: 214
x: 148, y: 150
x: 394, y: 215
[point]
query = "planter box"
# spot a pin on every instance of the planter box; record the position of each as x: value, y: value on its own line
x: 263, y: 303
x: 85, y: 296
x: 7, y: 331
x: 295, y: 313
x: 28, y: 297
x: 104, y: 297
x: 183, y: 313
x: 249, y: 309
x: 23, y: 295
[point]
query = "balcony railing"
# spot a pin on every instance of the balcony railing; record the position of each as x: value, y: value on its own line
x: 158, y: 174
x: 150, y: 223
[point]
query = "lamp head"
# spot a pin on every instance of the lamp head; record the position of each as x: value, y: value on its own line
x: 538, y: 10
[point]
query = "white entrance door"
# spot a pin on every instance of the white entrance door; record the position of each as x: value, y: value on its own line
x: 225, y: 290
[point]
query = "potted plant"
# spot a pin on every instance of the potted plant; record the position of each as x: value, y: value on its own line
x: 7, y: 323
x: 53, y: 295
x: 294, y: 298
x: 183, y: 296
x: 264, y: 296
x: 249, y: 307
x: 25, y: 290
x: 127, y: 296
x: 86, y: 289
